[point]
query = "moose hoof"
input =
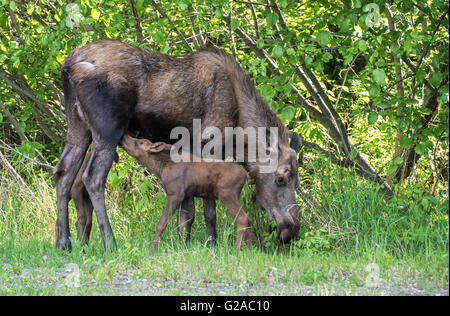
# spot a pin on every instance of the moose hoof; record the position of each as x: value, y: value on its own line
x: 64, y: 244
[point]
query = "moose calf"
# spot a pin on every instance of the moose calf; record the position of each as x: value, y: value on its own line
x: 212, y: 179
x: 84, y: 207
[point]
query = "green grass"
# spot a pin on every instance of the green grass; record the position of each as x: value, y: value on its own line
x: 352, y: 227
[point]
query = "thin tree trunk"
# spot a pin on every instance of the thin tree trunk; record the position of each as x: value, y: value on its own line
x: 137, y: 22
x: 398, y: 151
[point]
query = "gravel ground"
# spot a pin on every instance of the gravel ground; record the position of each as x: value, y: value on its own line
x: 127, y: 286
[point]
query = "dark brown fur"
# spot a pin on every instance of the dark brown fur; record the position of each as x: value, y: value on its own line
x: 112, y: 88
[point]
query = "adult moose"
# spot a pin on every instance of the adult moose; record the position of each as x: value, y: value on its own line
x: 112, y: 88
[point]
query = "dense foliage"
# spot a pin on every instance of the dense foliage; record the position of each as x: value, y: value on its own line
x: 365, y: 83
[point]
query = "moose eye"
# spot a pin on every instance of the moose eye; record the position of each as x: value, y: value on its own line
x: 286, y: 170
x: 280, y: 181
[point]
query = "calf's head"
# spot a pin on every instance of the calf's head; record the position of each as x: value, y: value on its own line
x: 140, y: 148
x: 275, y: 192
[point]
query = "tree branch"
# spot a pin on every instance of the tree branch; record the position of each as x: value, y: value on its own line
x: 11, y: 169
x: 28, y: 92
x: 22, y: 135
x: 13, y: 122
x: 324, y: 103
x: 349, y: 164
x: 137, y: 21
x: 163, y: 13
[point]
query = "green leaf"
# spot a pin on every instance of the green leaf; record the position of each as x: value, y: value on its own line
x: 391, y: 170
x: 374, y: 91
x: 362, y: 45
x: 436, y: 78
x: 267, y: 91
x: 420, y: 149
x: 234, y: 24
x: 406, y: 142
x: 348, y: 58
x: 1, y: 118
x: 164, y: 49
x: 219, y: 13
x: 398, y: 160
x: 139, y: 4
x: 159, y: 37
x: 111, y: 32
x: 309, y: 60
x: 184, y: 4
x: 420, y: 75
x: 288, y: 112
x: 95, y: 14
x: 353, y: 154
x: 290, y: 51
x: 113, y: 179
x: 283, y: 3
x: 324, y: 37
x: 327, y: 57
x: 272, y: 19
x: 379, y: 76
x: 13, y: 6
x: 260, y: 43
x: 372, y: 118
x: 277, y: 51
x: 429, y: 144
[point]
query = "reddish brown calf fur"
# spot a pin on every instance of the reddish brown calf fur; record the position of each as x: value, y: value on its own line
x: 210, y: 179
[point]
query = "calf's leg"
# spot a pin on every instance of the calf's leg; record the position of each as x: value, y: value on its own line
x: 231, y: 201
x: 172, y: 204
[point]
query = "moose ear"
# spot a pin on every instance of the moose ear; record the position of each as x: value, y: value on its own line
x: 157, y: 147
x: 296, y: 142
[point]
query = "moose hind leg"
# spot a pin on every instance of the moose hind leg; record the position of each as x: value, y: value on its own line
x: 94, y: 179
x: 78, y: 140
x: 106, y: 102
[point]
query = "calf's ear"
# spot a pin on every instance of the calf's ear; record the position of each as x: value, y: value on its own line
x: 145, y: 145
x: 296, y: 142
x: 157, y: 147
